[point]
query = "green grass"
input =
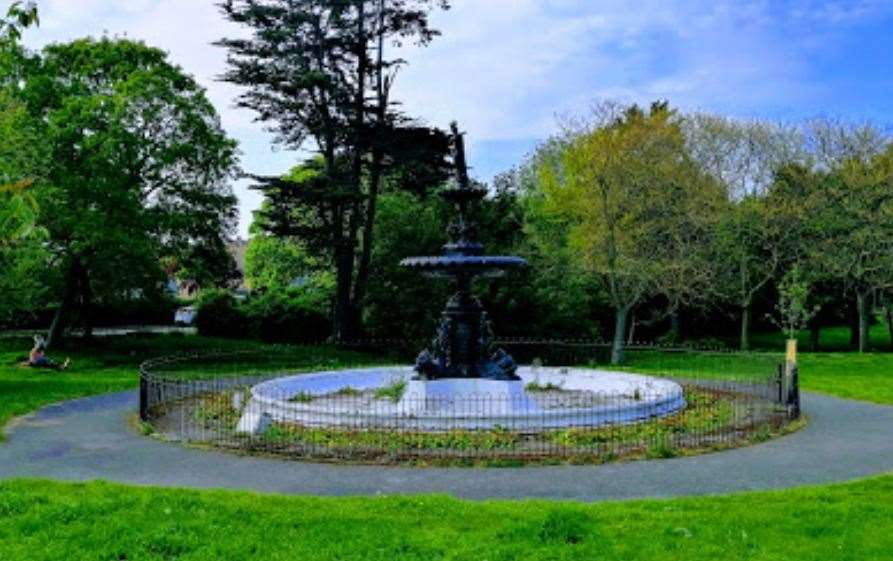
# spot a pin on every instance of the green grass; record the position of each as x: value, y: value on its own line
x: 867, y: 377
x: 48, y: 521
x: 111, y: 364
x: 831, y: 339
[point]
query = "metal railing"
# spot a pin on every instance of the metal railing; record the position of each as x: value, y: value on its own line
x: 728, y: 399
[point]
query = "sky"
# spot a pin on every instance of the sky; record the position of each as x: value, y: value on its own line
x: 509, y: 70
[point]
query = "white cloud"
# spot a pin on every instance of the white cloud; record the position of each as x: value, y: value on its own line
x: 505, y: 68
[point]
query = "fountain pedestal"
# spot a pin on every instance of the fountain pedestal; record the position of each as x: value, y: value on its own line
x: 466, y: 397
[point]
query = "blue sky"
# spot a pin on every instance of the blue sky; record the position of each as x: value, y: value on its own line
x: 508, y: 69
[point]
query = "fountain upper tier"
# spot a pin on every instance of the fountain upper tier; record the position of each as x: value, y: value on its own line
x: 449, y: 266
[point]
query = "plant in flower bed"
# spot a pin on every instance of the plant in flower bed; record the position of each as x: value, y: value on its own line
x: 705, y: 411
x: 218, y: 410
x: 286, y: 435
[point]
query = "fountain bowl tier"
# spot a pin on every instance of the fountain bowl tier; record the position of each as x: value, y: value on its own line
x: 390, y: 398
x: 451, y: 265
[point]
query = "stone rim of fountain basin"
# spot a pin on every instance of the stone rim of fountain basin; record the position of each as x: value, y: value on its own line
x: 617, y: 398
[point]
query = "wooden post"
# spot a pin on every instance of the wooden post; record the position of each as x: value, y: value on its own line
x: 791, y: 357
x: 791, y: 389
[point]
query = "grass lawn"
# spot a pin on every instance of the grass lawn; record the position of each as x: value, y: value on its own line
x: 867, y: 377
x: 831, y: 339
x: 48, y: 521
x: 111, y: 364
x: 97, y: 521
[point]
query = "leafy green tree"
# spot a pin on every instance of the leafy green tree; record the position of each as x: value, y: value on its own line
x: 19, y: 16
x: 621, y: 190
x: 400, y: 303
x: 22, y: 163
x: 139, y: 168
x: 749, y: 253
x: 311, y: 75
x: 20, y: 151
x: 857, y: 226
x: 793, y: 309
x: 272, y: 263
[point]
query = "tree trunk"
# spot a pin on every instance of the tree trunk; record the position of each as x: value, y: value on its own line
x: 815, y: 333
x: 745, y: 327
x: 630, y: 341
x: 620, y: 318
x: 676, y: 327
x: 888, y: 309
x: 862, y: 313
x: 854, y: 325
x: 57, y: 327
x: 366, y: 251
x: 375, y: 174
x: 86, y: 311
x: 349, y: 305
x: 342, y: 326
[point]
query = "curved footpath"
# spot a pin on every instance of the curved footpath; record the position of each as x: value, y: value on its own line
x: 90, y: 439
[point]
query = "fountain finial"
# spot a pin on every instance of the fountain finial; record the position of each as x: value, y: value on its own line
x: 459, y: 157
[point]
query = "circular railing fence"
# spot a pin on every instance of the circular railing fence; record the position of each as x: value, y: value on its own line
x: 677, y: 401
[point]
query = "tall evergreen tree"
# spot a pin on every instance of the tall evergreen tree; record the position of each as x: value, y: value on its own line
x: 317, y: 73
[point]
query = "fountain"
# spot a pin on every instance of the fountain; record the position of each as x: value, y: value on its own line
x: 460, y: 381
x: 462, y: 345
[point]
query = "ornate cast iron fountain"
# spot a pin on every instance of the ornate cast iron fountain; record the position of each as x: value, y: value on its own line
x: 462, y: 346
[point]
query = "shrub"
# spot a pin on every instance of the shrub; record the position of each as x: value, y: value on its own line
x: 219, y: 315
x: 287, y: 316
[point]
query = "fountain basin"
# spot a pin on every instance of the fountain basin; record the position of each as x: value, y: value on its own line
x: 543, y: 399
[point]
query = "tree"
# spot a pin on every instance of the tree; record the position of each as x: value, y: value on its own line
x: 793, y: 308
x: 750, y: 251
x: 857, y: 226
x: 853, y: 156
x: 20, y: 152
x: 743, y: 155
x: 751, y: 242
x: 22, y: 161
x: 24, y: 283
x: 310, y: 75
x: 139, y: 168
x: 617, y: 195
x: 400, y: 304
x: 274, y: 263
x: 19, y: 17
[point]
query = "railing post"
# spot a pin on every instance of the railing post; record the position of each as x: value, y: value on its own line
x: 794, y: 394
x: 779, y: 381
x: 144, y: 397
x: 792, y: 380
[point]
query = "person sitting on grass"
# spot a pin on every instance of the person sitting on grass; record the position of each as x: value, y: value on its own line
x: 39, y: 359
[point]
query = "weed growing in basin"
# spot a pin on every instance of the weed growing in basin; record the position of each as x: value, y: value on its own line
x: 301, y: 397
x: 393, y: 391
x: 535, y: 387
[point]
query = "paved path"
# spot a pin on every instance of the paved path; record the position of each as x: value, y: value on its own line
x: 89, y: 439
